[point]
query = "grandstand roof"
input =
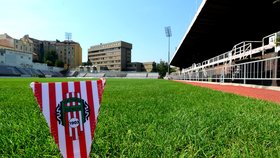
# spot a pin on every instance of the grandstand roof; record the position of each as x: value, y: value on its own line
x: 220, y: 24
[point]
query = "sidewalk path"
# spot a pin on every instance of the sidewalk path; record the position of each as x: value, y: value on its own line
x: 258, y: 93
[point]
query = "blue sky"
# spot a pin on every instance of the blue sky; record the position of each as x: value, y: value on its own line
x: 91, y: 22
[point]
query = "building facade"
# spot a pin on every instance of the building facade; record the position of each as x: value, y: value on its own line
x: 24, y: 45
x: 6, y: 41
x: 111, y: 56
x: 149, y: 66
x: 15, y: 58
x: 15, y: 52
x: 37, y: 47
x: 144, y: 67
x: 69, y: 52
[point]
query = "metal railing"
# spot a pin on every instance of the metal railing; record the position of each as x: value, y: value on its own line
x: 239, y: 51
x: 265, y: 69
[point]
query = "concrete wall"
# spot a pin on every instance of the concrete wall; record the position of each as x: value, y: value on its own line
x: 16, y: 58
x: 23, y: 60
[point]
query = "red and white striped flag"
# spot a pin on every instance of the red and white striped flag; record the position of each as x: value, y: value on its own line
x: 71, y: 110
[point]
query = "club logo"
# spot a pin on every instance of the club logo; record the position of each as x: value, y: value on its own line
x: 75, y: 109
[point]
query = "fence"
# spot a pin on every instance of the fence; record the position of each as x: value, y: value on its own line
x: 265, y: 69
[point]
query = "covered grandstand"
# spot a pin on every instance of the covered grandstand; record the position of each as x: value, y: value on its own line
x: 232, y: 41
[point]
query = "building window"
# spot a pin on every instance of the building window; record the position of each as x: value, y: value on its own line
x: 29, y: 58
x: 2, y: 54
x: 16, y: 47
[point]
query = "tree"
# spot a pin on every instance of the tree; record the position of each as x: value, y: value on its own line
x: 162, y: 68
x: 49, y: 63
x: 88, y: 63
x: 50, y: 58
x: 59, y: 63
x: 84, y: 63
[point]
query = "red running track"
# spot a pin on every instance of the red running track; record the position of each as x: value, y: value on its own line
x: 258, y: 93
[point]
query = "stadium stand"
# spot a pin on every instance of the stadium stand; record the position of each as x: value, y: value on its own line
x: 72, y: 73
x: 29, y: 72
x: 9, y: 71
x: 115, y: 74
x: 23, y: 71
x: 45, y: 72
x: 112, y: 74
x: 57, y: 74
x: 95, y: 75
x: 118, y: 74
x: 153, y: 75
x: 82, y: 74
x: 243, y: 64
x: 136, y: 75
x: 175, y: 76
x: 51, y: 73
x: 36, y: 72
x: 26, y: 72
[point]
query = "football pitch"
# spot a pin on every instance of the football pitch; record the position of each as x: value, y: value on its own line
x: 147, y: 118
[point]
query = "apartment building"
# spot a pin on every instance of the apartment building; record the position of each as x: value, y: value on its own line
x: 149, y: 66
x: 24, y: 44
x: 69, y: 52
x: 14, y: 50
x: 6, y: 41
x: 144, y: 67
x: 37, y: 47
x: 111, y: 56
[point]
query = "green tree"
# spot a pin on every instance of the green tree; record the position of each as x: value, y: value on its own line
x: 162, y: 68
x: 84, y: 63
x: 59, y: 63
x: 88, y: 63
x: 50, y: 58
x: 49, y: 63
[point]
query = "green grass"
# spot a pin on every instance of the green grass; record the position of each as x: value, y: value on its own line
x: 148, y: 118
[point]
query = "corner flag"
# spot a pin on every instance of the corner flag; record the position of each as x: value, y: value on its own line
x: 71, y: 110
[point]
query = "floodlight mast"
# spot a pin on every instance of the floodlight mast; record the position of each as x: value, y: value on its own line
x: 168, y: 34
x: 68, y: 37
